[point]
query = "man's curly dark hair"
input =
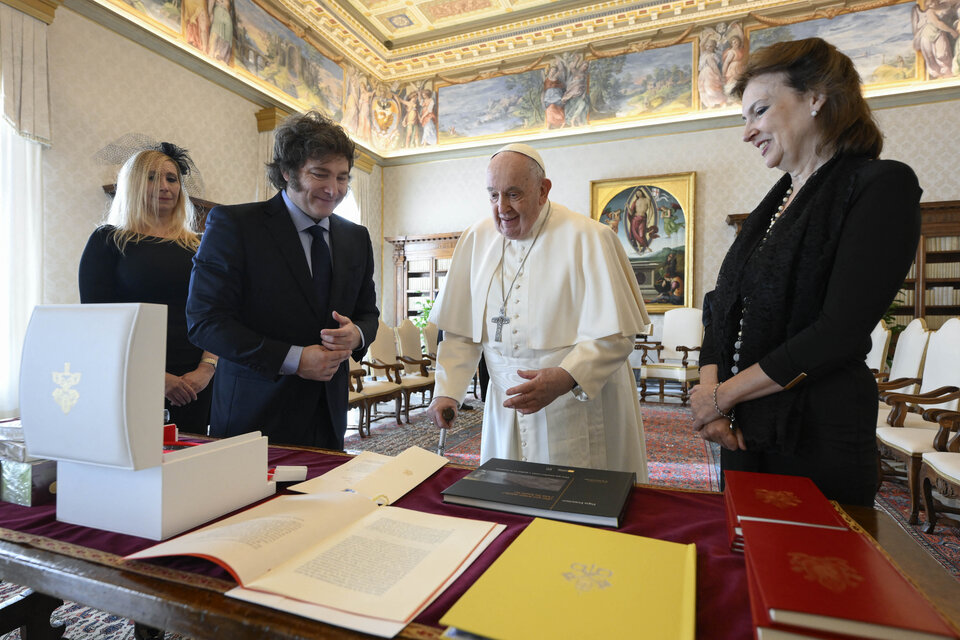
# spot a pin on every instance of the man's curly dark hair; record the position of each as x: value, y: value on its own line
x: 302, y: 137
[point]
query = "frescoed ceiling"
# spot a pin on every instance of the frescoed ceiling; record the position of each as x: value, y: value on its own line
x: 403, y: 39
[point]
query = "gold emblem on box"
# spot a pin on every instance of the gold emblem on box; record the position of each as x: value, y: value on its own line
x: 63, y: 395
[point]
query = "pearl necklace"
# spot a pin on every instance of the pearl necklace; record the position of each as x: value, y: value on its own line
x: 779, y: 212
x: 735, y: 369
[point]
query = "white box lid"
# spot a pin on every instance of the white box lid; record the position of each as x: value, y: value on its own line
x: 92, y: 383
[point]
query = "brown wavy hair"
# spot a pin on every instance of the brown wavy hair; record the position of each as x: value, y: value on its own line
x: 845, y: 120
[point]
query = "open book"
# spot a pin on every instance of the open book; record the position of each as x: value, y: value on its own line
x: 338, y: 557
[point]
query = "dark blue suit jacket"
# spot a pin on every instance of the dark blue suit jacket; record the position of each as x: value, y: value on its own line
x: 252, y: 297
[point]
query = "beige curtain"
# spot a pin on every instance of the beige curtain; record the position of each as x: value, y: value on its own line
x: 360, y: 185
x: 21, y: 250
x: 24, y: 81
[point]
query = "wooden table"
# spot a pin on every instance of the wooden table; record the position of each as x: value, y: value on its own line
x: 204, y: 613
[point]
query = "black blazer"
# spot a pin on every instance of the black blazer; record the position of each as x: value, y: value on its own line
x: 252, y: 297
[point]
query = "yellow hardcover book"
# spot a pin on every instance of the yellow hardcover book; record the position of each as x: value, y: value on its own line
x: 560, y: 580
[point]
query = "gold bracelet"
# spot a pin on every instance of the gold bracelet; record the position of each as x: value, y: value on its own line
x: 210, y: 361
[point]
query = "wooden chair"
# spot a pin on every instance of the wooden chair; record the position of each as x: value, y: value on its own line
x: 382, y: 380
x: 880, y: 346
x: 383, y: 354
x: 355, y: 398
x: 940, y: 471
x: 677, y: 357
x: 416, y: 375
x: 431, y: 336
x: 905, y: 441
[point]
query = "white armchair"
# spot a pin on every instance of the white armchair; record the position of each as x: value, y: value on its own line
x: 676, y: 356
x: 911, y: 425
x: 880, y: 346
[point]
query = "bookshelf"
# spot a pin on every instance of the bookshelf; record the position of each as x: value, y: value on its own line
x: 932, y: 288
x: 420, y: 266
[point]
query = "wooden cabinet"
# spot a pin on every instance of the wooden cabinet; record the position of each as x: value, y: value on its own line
x: 932, y: 288
x: 420, y: 266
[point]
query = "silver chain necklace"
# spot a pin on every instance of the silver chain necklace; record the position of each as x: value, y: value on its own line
x: 502, y: 318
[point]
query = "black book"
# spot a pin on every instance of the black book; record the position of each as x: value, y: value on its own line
x: 574, y: 494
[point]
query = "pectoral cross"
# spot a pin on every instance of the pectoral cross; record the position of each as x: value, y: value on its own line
x: 500, y: 320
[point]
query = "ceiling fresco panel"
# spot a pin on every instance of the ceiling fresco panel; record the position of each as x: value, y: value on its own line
x: 440, y: 11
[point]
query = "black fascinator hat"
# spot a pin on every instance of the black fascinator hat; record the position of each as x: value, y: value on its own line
x: 130, y: 144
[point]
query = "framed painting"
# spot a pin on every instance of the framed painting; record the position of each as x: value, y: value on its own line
x: 653, y: 219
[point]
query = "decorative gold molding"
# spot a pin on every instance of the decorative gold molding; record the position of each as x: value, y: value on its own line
x: 269, y: 118
x: 640, y: 45
x: 40, y: 9
x: 363, y: 162
x: 826, y: 12
x: 484, y: 75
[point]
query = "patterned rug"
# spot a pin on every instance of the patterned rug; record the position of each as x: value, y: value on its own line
x: 943, y: 544
x: 390, y: 438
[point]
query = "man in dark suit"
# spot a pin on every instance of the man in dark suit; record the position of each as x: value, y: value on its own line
x: 283, y: 292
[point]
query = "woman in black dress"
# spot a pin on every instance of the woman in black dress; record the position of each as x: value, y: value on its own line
x: 784, y: 383
x: 144, y: 253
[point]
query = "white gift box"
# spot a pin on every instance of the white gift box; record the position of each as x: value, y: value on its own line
x: 91, y: 397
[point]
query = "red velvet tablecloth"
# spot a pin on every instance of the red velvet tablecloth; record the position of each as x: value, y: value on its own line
x: 723, y: 610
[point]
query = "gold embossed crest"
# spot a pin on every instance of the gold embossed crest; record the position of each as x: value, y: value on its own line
x: 63, y: 395
x: 829, y: 572
x: 781, y: 499
x: 588, y: 577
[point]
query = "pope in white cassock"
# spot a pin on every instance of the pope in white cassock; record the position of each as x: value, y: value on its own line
x: 550, y: 300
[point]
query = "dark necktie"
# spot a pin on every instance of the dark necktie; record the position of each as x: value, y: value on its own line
x: 320, y: 260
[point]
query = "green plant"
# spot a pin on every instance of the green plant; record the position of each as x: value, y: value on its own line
x: 423, y: 306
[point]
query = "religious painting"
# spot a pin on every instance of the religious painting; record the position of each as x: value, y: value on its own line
x: 495, y: 106
x: 880, y: 42
x: 722, y: 58
x: 658, y: 81
x: 653, y: 219
x: 270, y: 51
x: 166, y: 12
x: 565, y: 97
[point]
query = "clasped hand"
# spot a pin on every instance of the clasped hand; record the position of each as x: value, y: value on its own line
x: 321, y: 361
x: 543, y: 387
x: 708, y: 424
x: 178, y: 390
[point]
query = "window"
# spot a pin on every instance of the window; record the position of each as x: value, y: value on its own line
x: 349, y: 209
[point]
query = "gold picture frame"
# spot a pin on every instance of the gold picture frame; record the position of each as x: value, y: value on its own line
x: 653, y: 218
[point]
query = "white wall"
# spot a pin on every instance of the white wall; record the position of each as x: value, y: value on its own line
x: 443, y: 196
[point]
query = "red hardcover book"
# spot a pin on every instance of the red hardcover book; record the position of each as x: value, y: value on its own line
x: 768, y: 497
x: 765, y: 629
x: 825, y: 583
